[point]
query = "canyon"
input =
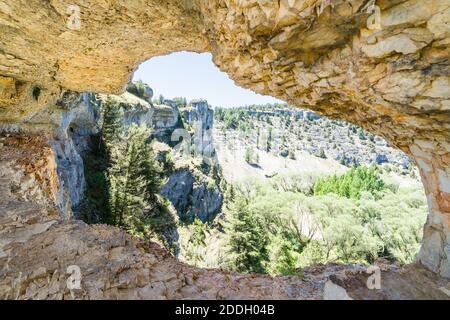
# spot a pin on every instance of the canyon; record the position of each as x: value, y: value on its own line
x: 383, y: 65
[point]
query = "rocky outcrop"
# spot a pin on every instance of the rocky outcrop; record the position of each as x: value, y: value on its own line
x: 76, y: 123
x: 163, y: 119
x: 200, y: 117
x: 193, y: 194
x: 67, y: 125
x: 199, y: 112
x: 383, y: 67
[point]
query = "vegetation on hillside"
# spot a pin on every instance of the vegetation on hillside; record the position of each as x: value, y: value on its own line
x: 285, y: 131
x: 123, y: 179
x: 137, y: 88
x: 280, y: 226
x: 351, y: 184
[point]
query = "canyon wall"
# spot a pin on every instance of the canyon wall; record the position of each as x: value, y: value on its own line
x: 383, y: 65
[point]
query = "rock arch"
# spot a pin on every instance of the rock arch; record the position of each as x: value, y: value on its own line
x: 383, y: 65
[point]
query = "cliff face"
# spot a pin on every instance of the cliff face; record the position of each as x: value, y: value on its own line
x: 162, y: 118
x: 77, y: 117
x: 193, y: 194
x: 67, y: 126
x: 77, y: 122
x: 201, y: 117
x: 383, y: 67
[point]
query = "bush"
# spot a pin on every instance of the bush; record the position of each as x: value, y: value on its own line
x: 295, y: 182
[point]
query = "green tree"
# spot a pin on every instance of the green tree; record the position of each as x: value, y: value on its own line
x: 245, y: 238
x: 197, y: 240
x: 257, y: 137
x: 137, y: 88
x: 248, y: 156
x: 269, y: 140
x: 112, y: 128
x: 282, y: 256
x: 181, y: 102
x: 322, y: 154
x: 134, y: 178
x: 95, y: 207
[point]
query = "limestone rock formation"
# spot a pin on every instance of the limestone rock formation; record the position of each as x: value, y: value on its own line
x: 200, y: 117
x: 193, y: 194
x: 68, y: 125
x: 383, y: 65
x: 163, y: 119
x: 200, y: 112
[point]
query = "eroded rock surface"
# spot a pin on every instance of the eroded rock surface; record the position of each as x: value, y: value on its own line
x: 384, y: 67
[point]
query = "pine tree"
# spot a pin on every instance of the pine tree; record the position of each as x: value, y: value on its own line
x: 282, y: 258
x: 246, y: 243
x: 134, y: 177
x: 269, y: 141
x: 248, y: 156
x: 112, y: 124
x: 257, y: 137
x: 230, y: 193
x: 322, y: 154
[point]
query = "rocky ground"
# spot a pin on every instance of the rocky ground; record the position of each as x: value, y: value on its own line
x: 115, y: 265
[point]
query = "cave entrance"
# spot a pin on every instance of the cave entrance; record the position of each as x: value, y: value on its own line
x: 359, y: 61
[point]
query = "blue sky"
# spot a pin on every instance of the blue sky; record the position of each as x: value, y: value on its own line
x: 195, y: 76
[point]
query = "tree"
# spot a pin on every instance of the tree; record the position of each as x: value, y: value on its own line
x: 112, y: 122
x: 181, y: 102
x: 322, y: 154
x: 245, y: 239
x: 282, y: 257
x: 362, y: 135
x: 257, y: 137
x: 269, y: 140
x: 230, y: 193
x: 292, y: 154
x: 248, y: 156
x: 137, y: 88
x: 134, y: 179
x: 197, y: 241
x: 97, y: 161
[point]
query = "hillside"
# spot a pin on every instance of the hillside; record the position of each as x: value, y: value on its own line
x: 278, y: 139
